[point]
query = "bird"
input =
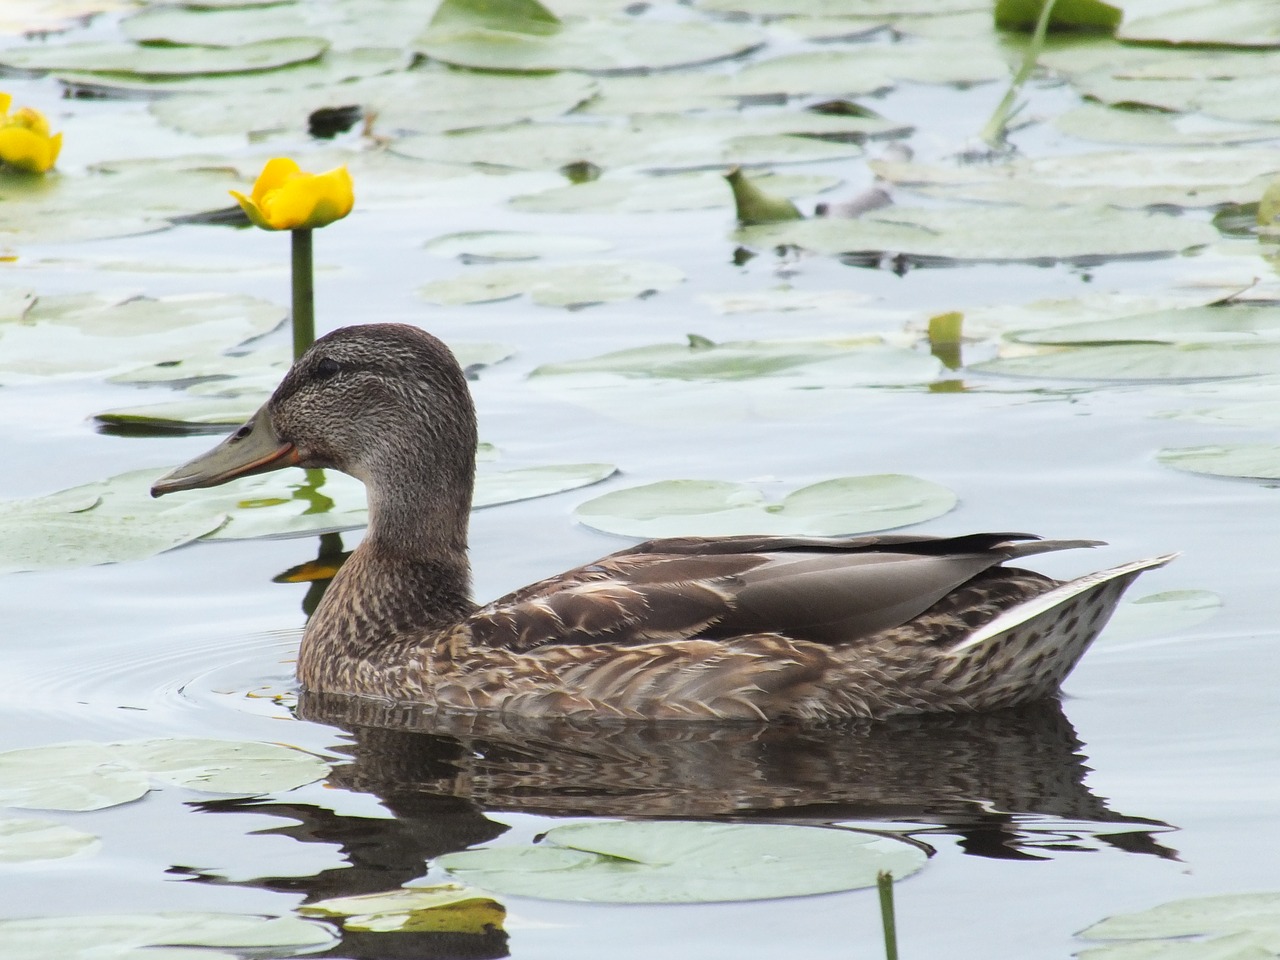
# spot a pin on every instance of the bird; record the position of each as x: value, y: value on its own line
x: 800, y: 629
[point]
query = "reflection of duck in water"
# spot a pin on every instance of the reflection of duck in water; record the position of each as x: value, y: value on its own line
x: 743, y: 628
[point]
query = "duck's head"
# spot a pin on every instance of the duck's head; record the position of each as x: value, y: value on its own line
x: 386, y: 403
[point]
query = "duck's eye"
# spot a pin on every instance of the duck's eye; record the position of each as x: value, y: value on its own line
x: 326, y: 368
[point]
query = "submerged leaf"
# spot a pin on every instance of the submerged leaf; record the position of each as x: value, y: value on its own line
x: 685, y: 862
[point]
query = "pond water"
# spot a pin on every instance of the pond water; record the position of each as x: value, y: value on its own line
x: 1158, y: 776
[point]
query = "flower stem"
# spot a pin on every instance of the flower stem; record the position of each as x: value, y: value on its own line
x: 304, y: 299
x: 884, y: 882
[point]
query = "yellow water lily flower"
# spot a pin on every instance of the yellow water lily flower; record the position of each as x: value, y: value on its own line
x: 285, y: 197
x: 25, y: 143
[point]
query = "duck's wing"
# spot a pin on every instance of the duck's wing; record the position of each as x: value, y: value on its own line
x: 827, y: 590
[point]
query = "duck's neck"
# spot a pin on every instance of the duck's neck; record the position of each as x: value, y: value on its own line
x: 407, y: 581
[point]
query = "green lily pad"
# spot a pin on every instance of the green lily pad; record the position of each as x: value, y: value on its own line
x: 1257, y: 413
x: 604, y: 43
x: 511, y: 245
x: 1254, y: 461
x: 990, y: 233
x: 1237, y: 323
x: 1104, y: 124
x: 1241, y: 924
x: 679, y: 862
x: 556, y: 285
x: 1236, y: 23
x: 714, y: 508
x: 195, y: 416
x: 1142, y: 361
x: 1071, y: 14
x: 129, y: 58
x: 528, y: 483
x: 446, y: 907
x: 691, y: 190
x: 1159, y: 614
x: 27, y: 841
x: 143, y: 936
x: 92, y: 776
x: 109, y: 521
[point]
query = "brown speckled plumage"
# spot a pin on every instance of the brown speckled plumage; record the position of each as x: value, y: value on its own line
x: 731, y: 628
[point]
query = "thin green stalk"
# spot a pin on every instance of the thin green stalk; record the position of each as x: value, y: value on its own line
x: 993, y: 134
x: 304, y: 297
x: 884, y: 883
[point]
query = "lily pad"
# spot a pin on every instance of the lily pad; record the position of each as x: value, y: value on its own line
x: 139, y: 936
x: 444, y: 908
x: 685, y: 862
x: 92, y: 776
x: 1142, y: 361
x: 990, y: 233
x: 1242, y: 925
x: 1159, y: 614
x: 511, y: 245
x: 1254, y: 461
x: 26, y: 841
x: 166, y: 61
x: 1237, y: 323
x: 1236, y: 23
x: 711, y: 508
x: 557, y: 285
x: 1103, y: 124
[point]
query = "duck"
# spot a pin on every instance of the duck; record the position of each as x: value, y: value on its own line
x: 762, y: 628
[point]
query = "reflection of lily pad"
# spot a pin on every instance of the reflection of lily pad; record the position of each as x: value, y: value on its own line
x: 138, y: 936
x: 445, y: 908
x: 1254, y: 461
x: 91, y: 776
x: 679, y: 862
x: 557, y: 285
x: 710, y: 508
x: 24, y: 841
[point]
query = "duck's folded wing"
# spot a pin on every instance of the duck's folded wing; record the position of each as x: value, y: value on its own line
x: 816, y: 589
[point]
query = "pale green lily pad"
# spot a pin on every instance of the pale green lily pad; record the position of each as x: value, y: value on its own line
x: 557, y: 285
x: 1236, y: 89
x: 685, y: 862
x: 1103, y: 124
x: 596, y: 44
x: 446, y: 907
x: 656, y: 142
x: 92, y: 776
x: 1142, y: 361
x: 870, y: 9
x: 27, y: 841
x: 1253, y: 461
x: 714, y: 508
x: 1237, y: 323
x: 1256, y: 413
x: 512, y: 245
x: 161, y: 60
x: 197, y: 415
x: 1237, y: 23
x: 527, y: 483
x: 1159, y: 614
x: 1256, y: 914
x: 693, y: 190
x: 1188, y: 178
x: 990, y: 233
x: 109, y: 521
x: 88, y: 334
x: 155, y: 936
x: 1236, y: 946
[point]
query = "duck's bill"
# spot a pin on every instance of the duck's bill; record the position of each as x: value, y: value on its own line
x: 254, y: 448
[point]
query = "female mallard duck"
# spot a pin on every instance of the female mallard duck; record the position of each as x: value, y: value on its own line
x: 801, y: 628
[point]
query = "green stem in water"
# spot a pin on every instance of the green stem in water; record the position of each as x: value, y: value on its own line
x: 304, y: 298
x: 997, y: 128
x: 884, y: 883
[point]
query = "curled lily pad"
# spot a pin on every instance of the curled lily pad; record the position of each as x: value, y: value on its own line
x: 679, y: 862
x: 444, y: 908
x: 711, y: 508
x: 1253, y: 461
x: 557, y: 285
x: 25, y: 841
x: 137, y: 936
x: 91, y: 776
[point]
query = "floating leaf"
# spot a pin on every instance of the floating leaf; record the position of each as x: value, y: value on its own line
x: 1072, y: 14
x: 1237, y: 23
x: 25, y: 841
x: 195, y: 416
x: 1142, y: 361
x: 754, y: 205
x: 444, y: 908
x: 695, y: 190
x: 1254, y: 914
x: 1106, y: 124
x: 679, y: 862
x: 990, y: 233
x: 163, y: 60
x: 138, y: 936
x: 1158, y: 614
x: 1235, y: 323
x: 1254, y: 461
x: 557, y: 285
x: 512, y: 245
x: 508, y: 486
x: 91, y: 776
x: 711, y: 508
